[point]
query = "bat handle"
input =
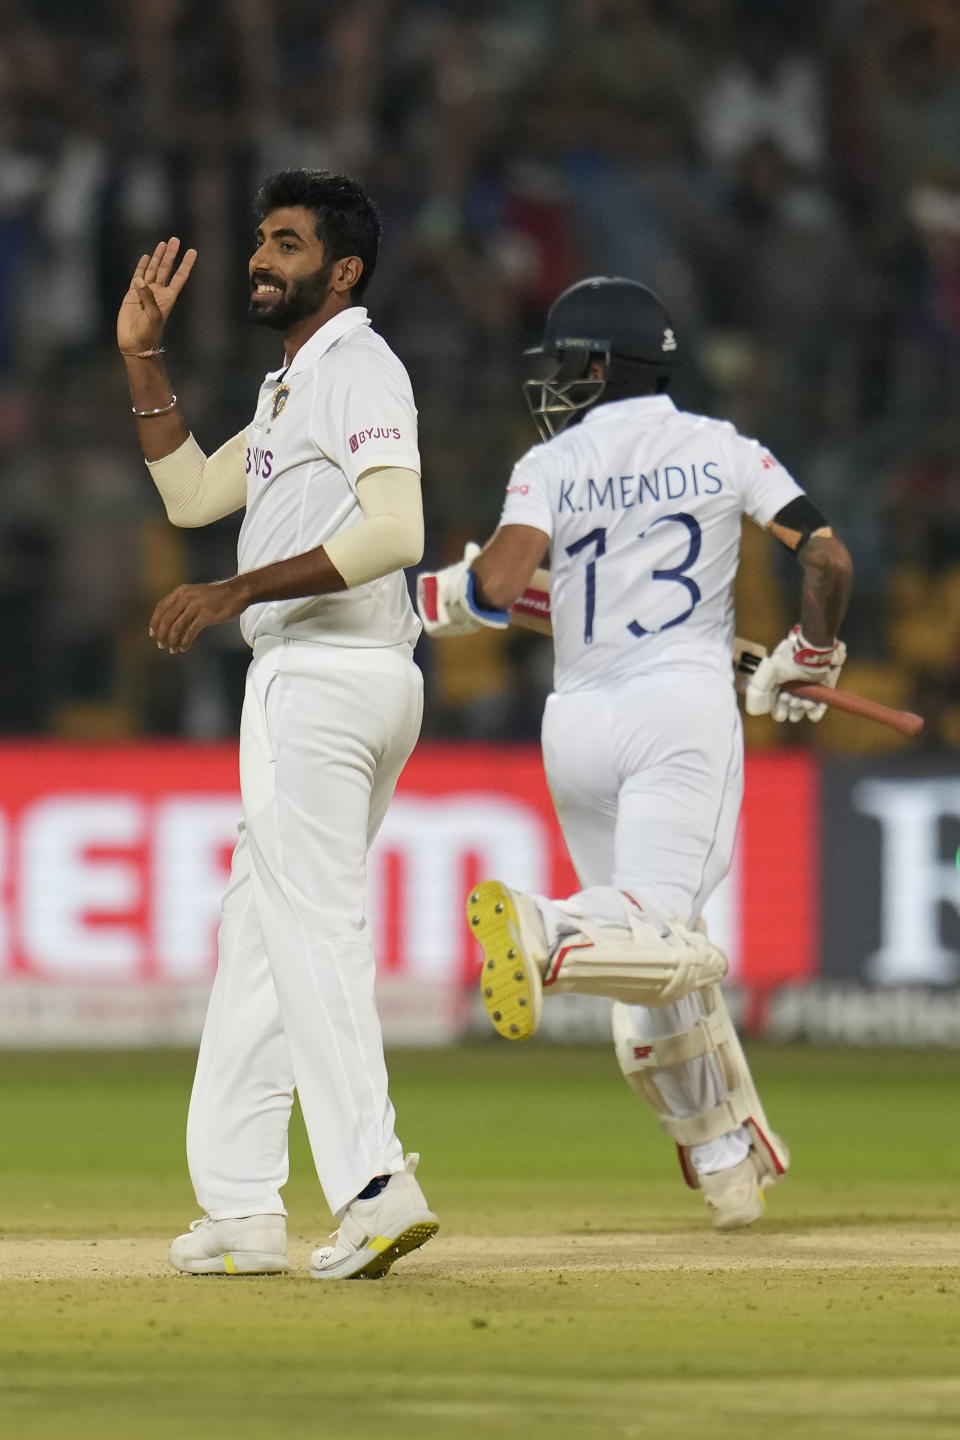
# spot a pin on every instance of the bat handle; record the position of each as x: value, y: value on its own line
x: 903, y: 721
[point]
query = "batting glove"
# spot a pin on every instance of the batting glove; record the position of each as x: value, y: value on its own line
x: 793, y: 659
x: 447, y: 603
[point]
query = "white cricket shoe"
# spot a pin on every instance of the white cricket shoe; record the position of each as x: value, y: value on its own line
x: 735, y: 1196
x: 374, y: 1233
x: 511, y: 931
x: 255, y: 1245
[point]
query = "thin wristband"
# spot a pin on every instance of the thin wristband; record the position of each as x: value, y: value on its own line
x: 805, y: 644
x: 149, y: 414
x: 145, y: 354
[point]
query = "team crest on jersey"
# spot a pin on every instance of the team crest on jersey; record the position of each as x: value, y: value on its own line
x: 280, y: 397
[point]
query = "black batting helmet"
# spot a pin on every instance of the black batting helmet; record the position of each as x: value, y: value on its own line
x: 618, y: 323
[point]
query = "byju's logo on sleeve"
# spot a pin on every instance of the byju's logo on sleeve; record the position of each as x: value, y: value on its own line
x: 379, y: 432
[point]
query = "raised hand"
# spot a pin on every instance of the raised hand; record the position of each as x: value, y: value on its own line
x: 153, y: 292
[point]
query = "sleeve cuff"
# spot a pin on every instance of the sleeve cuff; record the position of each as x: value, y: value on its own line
x: 497, y: 619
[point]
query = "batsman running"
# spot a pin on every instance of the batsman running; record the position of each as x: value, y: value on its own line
x: 640, y: 507
x: 329, y: 476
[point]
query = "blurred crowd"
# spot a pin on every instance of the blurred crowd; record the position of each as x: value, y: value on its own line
x: 786, y: 173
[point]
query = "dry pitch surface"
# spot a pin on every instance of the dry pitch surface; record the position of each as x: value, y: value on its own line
x: 449, y: 1257
x: 574, y: 1291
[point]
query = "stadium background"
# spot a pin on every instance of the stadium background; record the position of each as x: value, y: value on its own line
x: 786, y: 174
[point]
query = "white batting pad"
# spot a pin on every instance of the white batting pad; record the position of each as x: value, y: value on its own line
x: 641, y: 1059
x: 651, y: 963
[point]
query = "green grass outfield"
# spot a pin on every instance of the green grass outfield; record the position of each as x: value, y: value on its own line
x: 575, y: 1290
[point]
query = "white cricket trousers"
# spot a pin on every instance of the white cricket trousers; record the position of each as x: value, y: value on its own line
x: 647, y: 781
x: 324, y: 734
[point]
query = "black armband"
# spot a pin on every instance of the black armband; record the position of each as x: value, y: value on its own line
x: 800, y: 515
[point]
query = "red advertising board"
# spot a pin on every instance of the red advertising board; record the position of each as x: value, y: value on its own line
x: 779, y: 868
x: 112, y: 860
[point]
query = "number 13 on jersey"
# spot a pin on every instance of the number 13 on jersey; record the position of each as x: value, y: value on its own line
x: 677, y: 574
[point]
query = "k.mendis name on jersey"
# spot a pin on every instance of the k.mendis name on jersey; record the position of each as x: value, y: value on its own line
x: 623, y: 492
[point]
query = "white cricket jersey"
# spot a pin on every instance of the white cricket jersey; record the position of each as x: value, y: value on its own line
x: 343, y: 405
x: 642, y: 503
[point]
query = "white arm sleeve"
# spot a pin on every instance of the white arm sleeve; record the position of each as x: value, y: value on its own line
x: 197, y: 490
x: 390, y: 535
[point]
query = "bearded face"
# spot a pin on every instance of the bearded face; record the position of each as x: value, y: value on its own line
x: 280, y: 304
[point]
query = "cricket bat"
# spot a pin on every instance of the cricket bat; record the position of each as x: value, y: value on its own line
x: 532, y: 612
x: 747, y: 655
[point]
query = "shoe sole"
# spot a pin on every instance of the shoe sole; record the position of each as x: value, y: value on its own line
x: 510, y: 983
x: 385, y: 1252
x: 235, y: 1262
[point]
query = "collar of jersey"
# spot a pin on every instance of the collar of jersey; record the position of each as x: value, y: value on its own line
x: 636, y: 405
x: 321, y: 340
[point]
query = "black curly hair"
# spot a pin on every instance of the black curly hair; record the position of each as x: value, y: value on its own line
x: 346, y: 219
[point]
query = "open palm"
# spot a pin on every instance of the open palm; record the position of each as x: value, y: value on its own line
x: 154, y: 287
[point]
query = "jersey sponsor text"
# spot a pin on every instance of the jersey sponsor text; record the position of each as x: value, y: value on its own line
x: 379, y: 432
x: 259, y: 462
